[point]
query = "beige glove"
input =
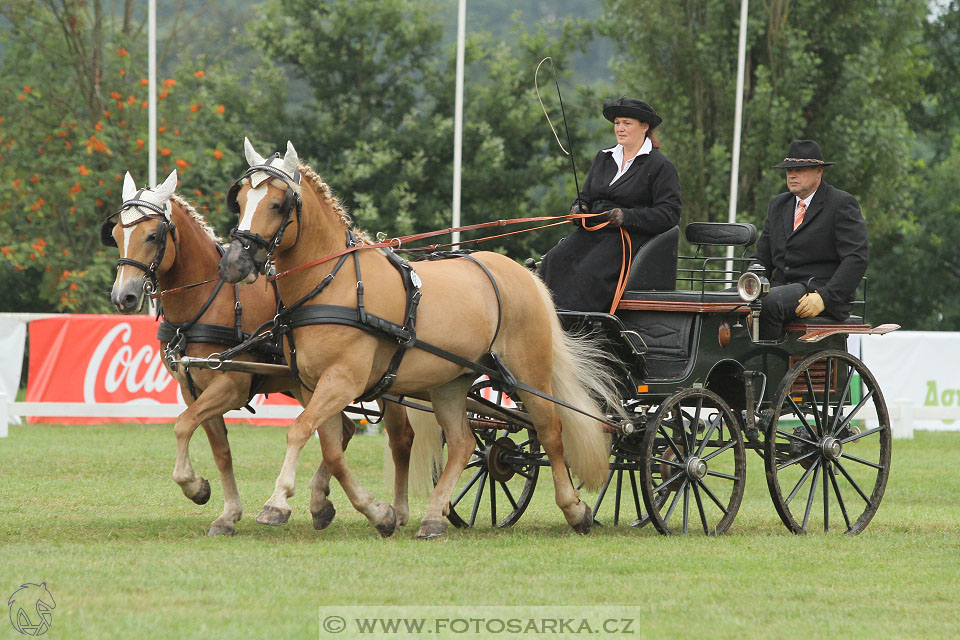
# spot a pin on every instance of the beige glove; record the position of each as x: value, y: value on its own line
x: 811, y: 304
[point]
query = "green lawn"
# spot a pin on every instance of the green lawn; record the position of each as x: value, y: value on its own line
x: 94, y: 513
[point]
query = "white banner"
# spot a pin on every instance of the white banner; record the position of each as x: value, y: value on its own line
x: 918, y: 368
x: 13, y: 335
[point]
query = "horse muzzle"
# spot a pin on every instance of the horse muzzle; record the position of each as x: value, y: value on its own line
x: 128, y: 297
x: 239, y: 263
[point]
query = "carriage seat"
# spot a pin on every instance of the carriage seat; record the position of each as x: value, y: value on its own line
x: 722, y: 234
x: 654, y: 266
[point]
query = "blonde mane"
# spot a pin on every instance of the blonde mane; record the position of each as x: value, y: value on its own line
x: 196, y: 217
x: 327, y: 196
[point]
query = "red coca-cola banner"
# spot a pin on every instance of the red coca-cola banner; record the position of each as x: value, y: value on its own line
x: 103, y: 359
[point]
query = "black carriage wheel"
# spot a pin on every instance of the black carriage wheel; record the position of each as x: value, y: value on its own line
x: 827, y: 432
x: 498, y: 483
x: 694, y: 459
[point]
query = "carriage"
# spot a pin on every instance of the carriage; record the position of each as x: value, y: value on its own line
x: 699, y: 390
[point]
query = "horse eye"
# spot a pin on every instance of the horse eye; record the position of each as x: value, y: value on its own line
x: 152, y: 237
x: 275, y: 206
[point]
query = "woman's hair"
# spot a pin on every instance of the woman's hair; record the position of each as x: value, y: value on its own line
x: 654, y: 140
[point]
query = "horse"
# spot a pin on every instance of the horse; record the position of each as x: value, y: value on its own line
x: 483, y: 309
x: 165, y: 244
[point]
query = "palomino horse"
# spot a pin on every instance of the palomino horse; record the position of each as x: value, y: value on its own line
x: 164, y: 243
x: 481, y: 309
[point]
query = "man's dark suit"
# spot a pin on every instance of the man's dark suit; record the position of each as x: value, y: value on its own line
x: 827, y: 253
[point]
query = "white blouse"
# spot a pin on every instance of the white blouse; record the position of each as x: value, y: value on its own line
x: 617, y: 152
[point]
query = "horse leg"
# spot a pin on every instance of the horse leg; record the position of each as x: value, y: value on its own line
x: 216, y: 431
x: 400, y: 435
x: 576, y: 512
x: 222, y: 394
x: 450, y: 408
x: 321, y: 508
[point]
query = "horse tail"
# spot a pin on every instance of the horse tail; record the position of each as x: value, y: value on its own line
x: 426, y: 455
x: 581, y: 378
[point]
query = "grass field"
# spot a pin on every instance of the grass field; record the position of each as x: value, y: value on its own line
x: 94, y: 513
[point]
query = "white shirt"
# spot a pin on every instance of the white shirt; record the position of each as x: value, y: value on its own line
x: 806, y: 202
x: 622, y: 166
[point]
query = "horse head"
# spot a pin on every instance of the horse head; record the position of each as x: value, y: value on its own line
x: 267, y: 200
x: 144, y: 233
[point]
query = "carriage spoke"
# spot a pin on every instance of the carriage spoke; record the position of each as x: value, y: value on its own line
x: 476, y: 501
x: 859, y: 436
x: 861, y: 460
x: 799, y: 484
x: 800, y: 414
x: 813, y: 403
x: 476, y: 463
x: 673, y: 504
x: 673, y: 445
x: 523, y: 473
x: 855, y: 485
x: 813, y: 490
x: 668, y: 481
x: 703, y: 516
x: 506, y: 491
x: 672, y: 463
x: 840, y: 402
x: 853, y: 412
x: 709, y: 493
x: 706, y: 437
x: 636, y: 495
x: 462, y: 493
x: 826, y: 498
x: 792, y: 436
x: 616, y: 506
x: 836, y: 490
x: 826, y: 398
x: 725, y: 476
x: 686, y: 506
x: 493, y: 502
x: 714, y: 454
x: 796, y: 460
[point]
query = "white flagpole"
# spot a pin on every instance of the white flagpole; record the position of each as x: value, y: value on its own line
x: 152, y: 92
x: 458, y: 118
x: 737, y: 123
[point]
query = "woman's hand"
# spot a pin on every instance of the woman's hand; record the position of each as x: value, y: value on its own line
x: 613, y: 216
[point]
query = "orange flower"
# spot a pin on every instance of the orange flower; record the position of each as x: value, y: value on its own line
x: 74, y: 286
x: 99, y: 202
x: 220, y: 109
x: 218, y: 154
x: 131, y: 99
x: 194, y: 108
x: 198, y: 192
x: 98, y: 126
x: 27, y: 88
x: 122, y: 52
x: 67, y: 144
x: 6, y: 251
x: 143, y: 105
x: 164, y: 151
x: 95, y: 144
x: 139, y: 143
x: 35, y: 178
x: 163, y: 94
x: 119, y: 107
x: 33, y: 256
x: 76, y: 188
x: 123, y: 72
x: 16, y: 183
x: 49, y: 268
x: 114, y: 95
x: 61, y: 134
x: 199, y: 74
x: 169, y: 82
x: 66, y: 252
x: 36, y: 205
x: 100, y: 181
x: 144, y: 82
x: 182, y: 163
x: 117, y: 177
x: 176, y: 132
x: 19, y: 267
x: 40, y: 243
x: 21, y: 97
x: 161, y: 129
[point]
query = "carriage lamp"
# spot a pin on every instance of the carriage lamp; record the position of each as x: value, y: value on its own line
x: 753, y: 284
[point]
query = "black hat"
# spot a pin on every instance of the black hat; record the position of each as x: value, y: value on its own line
x: 631, y: 108
x: 803, y: 153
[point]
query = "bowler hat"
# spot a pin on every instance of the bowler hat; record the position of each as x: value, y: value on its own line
x: 803, y: 153
x: 631, y: 108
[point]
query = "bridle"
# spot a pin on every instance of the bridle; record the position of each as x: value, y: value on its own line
x: 164, y: 226
x: 263, y: 254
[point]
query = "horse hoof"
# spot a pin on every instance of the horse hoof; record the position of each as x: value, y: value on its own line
x: 430, y: 529
x: 583, y: 527
x: 323, y: 517
x: 388, y: 523
x: 202, y: 496
x: 273, y: 515
x: 221, y: 529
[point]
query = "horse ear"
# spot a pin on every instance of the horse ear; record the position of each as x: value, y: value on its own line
x: 129, y: 187
x: 290, y: 160
x: 253, y: 158
x: 165, y: 190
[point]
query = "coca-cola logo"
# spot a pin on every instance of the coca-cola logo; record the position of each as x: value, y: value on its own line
x: 118, y: 367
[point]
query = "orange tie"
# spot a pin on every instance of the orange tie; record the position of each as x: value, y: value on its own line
x: 798, y: 216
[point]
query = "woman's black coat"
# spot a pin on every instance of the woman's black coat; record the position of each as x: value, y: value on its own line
x: 582, y: 269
